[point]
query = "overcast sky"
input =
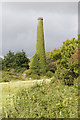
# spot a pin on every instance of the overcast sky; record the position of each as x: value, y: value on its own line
x: 60, y: 22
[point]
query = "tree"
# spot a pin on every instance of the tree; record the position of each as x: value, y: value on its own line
x: 15, y: 61
x: 67, y: 60
x: 0, y: 63
x: 21, y: 60
x: 8, y: 60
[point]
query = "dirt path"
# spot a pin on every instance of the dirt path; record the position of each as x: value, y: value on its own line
x: 46, y: 80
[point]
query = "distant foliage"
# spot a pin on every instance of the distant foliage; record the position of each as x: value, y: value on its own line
x: 67, y: 60
x: 49, y: 74
x: 15, y: 61
x: 0, y: 63
x: 50, y: 64
x: 28, y: 72
x: 51, y: 67
x: 55, y: 54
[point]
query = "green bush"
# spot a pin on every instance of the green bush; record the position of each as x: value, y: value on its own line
x: 65, y: 75
x: 51, y: 67
x: 49, y: 74
x: 0, y: 63
x: 67, y: 61
x: 11, y: 76
x: 5, y: 80
x: 55, y: 54
x: 28, y: 72
x: 69, y: 80
x: 16, y: 61
x: 34, y: 76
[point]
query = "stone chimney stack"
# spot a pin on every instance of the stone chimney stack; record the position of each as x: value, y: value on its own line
x: 38, y: 63
x: 40, y: 48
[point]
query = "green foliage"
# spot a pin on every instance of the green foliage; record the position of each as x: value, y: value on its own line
x: 55, y: 54
x: 38, y: 65
x: 21, y: 60
x: 0, y: 63
x: 35, y: 65
x: 28, y: 72
x: 66, y: 59
x: 51, y: 67
x: 16, y: 61
x: 8, y: 60
x: 69, y: 80
x: 34, y: 76
x: 52, y: 100
x: 11, y: 75
x: 49, y: 74
x: 50, y: 64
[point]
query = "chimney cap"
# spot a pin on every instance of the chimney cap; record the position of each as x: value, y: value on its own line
x: 40, y: 18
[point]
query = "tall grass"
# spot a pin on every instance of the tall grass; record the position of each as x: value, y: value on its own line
x: 48, y: 100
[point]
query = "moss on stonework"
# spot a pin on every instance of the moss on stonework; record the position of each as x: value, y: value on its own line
x: 40, y: 49
x: 35, y: 66
x: 40, y: 18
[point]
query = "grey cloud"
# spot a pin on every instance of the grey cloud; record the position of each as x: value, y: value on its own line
x: 20, y: 25
x: 60, y: 7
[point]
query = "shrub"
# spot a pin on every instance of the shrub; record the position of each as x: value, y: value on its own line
x: 0, y: 63
x: 49, y: 74
x: 51, y: 67
x: 34, y: 76
x: 16, y: 61
x: 65, y: 75
x: 69, y: 80
x: 55, y: 54
x: 21, y: 60
x: 28, y: 72
x: 5, y: 80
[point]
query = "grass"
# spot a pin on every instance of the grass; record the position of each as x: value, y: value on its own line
x: 10, y: 88
x: 23, y: 98
x: 17, y: 82
x: 8, y: 76
x: 48, y: 100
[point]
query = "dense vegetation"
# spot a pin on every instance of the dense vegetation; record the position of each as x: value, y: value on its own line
x: 66, y: 59
x: 63, y: 62
x: 0, y: 63
x: 43, y: 100
x: 57, y: 99
x: 16, y: 61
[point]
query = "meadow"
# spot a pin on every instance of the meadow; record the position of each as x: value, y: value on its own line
x: 39, y: 98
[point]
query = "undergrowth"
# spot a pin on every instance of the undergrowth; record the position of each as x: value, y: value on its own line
x: 52, y: 100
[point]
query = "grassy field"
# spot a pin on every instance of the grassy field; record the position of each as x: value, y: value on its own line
x: 17, y: 82
x: 10, y: 88
x: 37, y: 98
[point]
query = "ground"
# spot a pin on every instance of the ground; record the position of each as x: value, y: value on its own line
x: 58, y: 94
